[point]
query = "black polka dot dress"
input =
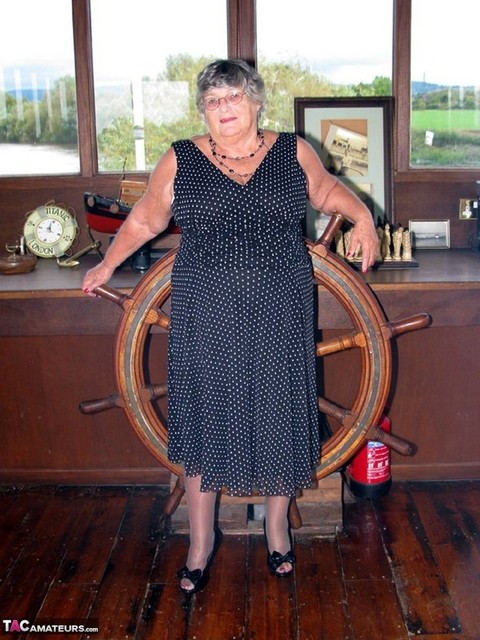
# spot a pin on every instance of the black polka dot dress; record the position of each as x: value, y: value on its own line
x: 242, y: 392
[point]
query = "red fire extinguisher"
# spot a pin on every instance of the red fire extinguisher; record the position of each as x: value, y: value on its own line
x: 368, y: 474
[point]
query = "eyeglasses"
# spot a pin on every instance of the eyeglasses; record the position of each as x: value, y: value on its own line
x: 231, y: 98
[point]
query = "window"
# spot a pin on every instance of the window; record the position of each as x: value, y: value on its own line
x: 445, y: 85
x: 317, y: 49
x: 38, y: 112
x: 146, y: 56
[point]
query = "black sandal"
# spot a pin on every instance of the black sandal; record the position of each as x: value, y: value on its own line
x: 199, y: 577
x: 275, y: 561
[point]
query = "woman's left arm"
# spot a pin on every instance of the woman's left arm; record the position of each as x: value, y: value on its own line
x: 329, y: 195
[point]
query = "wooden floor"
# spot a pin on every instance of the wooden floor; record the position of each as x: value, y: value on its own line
x: 405, y: 566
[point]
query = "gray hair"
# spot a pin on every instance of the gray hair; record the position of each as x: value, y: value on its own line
x: 232, y: 73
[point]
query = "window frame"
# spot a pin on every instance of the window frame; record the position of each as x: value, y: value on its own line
x: 402, y: 18
x: 241, y: 35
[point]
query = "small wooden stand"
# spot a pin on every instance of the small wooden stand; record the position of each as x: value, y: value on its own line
x: 321, y: 510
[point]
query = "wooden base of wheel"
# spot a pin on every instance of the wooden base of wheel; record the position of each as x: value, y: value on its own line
x: 320, y: 509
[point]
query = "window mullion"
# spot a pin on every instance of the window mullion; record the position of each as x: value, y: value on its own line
x: 401, y: 82
x: 242, y: 31
x: 85, y: 88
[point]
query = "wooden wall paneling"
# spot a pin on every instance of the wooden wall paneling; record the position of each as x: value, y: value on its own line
x: 57, y: 350
x: 433, y: 399
x: 44, y: 435
x: 432, y: 402
x: 437, y: 200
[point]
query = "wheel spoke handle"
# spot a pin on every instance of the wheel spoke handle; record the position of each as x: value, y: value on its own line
x: 412, y: 323
x: 346, y: 418
x: 390, y: 330
x: 173, y: 500
x: 333, y: 226
x: 125, y: 302
x: 97, y: 405
x: 109, y: 293
x: 400, y: 445
x: 294, y: 515
x: 342, y: 343
x: 116, y: 400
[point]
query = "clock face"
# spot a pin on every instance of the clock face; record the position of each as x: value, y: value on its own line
x: 50, y: 231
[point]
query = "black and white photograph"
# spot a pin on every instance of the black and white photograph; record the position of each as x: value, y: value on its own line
x: 345, y: 152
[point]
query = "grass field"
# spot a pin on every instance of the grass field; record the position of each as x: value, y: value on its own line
x: 442, y: 120
x: 456, y: 141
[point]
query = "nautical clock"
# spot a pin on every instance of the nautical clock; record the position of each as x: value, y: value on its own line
x: 50, y: 231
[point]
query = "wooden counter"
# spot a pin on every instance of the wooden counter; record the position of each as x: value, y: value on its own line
x: 57, y: 350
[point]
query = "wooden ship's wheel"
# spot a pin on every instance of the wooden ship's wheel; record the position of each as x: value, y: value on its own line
x: 143, y: 397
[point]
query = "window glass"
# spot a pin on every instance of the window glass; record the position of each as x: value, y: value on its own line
x: 445, y: 87
x: 323, y: 49
x: 38, y: 114
x: 146, y: 56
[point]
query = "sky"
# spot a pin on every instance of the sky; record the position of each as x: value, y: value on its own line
x: 314, y: 32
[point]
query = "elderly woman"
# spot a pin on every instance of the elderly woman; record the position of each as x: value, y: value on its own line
x: 242, y: 399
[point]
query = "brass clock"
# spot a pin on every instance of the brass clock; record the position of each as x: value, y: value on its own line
x: 50, y: 231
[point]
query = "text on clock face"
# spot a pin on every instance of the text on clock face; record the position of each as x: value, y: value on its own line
x: 49, y: 230
x: 42, y: 250
x: 58, y: 212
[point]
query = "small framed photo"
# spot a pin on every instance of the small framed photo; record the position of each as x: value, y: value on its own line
x: 467, y: 209
x: 430, y: 234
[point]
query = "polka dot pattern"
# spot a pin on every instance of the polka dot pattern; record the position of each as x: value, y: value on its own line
x: 242, y: 389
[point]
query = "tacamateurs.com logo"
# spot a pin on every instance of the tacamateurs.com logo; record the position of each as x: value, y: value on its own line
x: 49, y: 626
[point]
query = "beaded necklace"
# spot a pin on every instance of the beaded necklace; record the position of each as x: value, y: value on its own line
x: 220, y: 157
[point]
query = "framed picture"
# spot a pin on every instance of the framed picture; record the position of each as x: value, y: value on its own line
x: 353, y: 137
x: 467, y: 209
x: 430, y: 234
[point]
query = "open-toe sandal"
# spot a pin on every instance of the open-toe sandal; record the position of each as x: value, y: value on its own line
x: 275, y: 561
x: 199, y: 577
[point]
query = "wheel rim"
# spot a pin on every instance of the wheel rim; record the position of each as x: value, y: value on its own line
x: 145, y: 314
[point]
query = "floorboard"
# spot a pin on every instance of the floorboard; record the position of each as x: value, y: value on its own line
x: 404, y: 566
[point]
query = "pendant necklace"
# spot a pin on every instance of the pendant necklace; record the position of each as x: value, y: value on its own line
x: 220, y: 157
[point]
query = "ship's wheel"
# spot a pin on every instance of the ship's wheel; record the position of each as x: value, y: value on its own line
x: 142, y: 386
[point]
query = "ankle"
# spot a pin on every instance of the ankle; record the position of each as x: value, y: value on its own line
x: 278, y: 538
x: 200, y: 552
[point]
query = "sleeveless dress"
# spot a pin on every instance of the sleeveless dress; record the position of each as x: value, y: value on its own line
x: 242, y: 386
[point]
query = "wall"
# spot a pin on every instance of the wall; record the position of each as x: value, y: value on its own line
x: 422, y: 199
x: 436, y: 200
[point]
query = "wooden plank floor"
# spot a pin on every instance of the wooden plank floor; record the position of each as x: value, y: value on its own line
x: 405, y: 566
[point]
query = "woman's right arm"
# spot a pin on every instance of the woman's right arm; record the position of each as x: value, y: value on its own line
x: 149, y: 217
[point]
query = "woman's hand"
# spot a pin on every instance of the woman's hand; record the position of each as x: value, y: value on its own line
x: 364, y: 237
x: 330, y: 196
x: 95, y: 277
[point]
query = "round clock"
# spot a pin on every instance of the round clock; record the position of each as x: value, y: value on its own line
x: 50, y: 231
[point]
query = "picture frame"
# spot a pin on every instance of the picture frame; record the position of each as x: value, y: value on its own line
x: 430, y: 234
x: 467, y: 209
x: 353, y: 138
